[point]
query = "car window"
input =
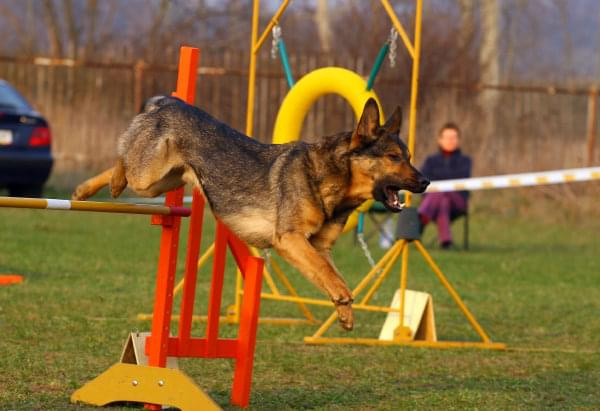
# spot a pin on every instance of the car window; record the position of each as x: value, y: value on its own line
x: 11, y: 99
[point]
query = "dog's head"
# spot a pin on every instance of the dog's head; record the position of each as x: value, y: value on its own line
x: 380, y: 161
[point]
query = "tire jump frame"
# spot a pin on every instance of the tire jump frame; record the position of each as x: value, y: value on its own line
x: 355, y: 90
x: 297, y: 103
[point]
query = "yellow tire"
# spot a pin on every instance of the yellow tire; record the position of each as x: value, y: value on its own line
x: 299, y: 100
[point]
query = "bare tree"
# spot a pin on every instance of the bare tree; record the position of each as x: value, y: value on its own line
x: 53, y: 29
x: 489, y: 60
x: 323, y: 25
x: 563, y: 11
x: 104, y: 32
x: 466, y: 31
x: 18, y: 27
x: 489, y: 51
x: 489, y: 66
x: 154, y: 31
x: 72, y: 29
x: 598, y: 50
x: 91, y: 18
x: 467, y: 23
x: 29, y: 39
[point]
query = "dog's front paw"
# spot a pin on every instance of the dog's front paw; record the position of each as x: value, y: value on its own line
x: 82, y: 192
x: 345, y: 314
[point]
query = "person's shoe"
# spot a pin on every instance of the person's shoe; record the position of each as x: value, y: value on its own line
x: 446, y: 245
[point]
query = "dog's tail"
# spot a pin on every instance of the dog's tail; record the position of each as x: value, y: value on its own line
x: 114, y: 176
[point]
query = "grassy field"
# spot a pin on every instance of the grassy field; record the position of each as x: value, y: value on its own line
x: 532, y: 285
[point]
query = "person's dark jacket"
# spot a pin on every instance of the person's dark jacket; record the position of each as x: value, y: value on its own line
x: 447, y: 166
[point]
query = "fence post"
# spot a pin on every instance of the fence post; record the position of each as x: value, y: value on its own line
x: 138, y: 85
x: 591, y: 124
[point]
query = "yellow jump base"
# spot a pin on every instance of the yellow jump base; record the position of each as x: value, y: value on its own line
x: 144, y: 384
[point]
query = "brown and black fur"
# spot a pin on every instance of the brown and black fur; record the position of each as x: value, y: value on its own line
x: 293, y: 197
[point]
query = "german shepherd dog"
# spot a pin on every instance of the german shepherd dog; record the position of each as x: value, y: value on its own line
x: 293, y: 197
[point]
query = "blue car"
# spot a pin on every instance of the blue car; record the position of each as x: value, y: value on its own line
x: 25, y: 139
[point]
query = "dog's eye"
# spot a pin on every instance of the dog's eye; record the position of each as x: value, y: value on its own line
x: 394, y: 157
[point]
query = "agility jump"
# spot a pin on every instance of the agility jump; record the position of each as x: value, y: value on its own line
x: 295, y: 106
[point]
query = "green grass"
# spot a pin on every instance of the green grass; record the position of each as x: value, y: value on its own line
x: 533, y: 286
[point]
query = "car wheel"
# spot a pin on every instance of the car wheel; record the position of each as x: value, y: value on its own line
x: 26, y: 190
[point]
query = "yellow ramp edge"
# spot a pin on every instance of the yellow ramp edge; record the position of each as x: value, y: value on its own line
x: 145, y: 384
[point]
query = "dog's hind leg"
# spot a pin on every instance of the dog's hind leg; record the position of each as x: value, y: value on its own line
x: 91, y: 186
x: 297, y: 250
x: 118, y: 181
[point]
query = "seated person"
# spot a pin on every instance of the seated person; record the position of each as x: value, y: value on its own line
x: 448, y: 163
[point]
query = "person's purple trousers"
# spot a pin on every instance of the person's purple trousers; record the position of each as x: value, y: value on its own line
x: 441, y: 207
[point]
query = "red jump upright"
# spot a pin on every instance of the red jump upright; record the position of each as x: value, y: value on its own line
x: 154, y: 384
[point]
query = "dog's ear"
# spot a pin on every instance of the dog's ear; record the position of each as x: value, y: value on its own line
x: 367, y: 125
x: 394, y: 123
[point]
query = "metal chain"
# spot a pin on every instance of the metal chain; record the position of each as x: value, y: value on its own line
x: 267, y: 258
x: 393, y: 41
x: 365, y: 248
x: 275, y: 42
x: 361, y: 241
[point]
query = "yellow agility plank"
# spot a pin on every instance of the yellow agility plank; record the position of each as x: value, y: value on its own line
x: 144, y: 384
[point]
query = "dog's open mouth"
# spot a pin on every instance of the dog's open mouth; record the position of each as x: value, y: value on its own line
x: 392, y: 199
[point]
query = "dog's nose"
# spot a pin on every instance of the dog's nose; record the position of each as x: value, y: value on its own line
x: 423, y: 182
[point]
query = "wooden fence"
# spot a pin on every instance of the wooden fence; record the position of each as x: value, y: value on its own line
x: 89, y: 104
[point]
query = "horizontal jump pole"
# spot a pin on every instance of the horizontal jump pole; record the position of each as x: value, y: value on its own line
x: 326, y: 303
x: 93, y: 206
x: 570, y: 175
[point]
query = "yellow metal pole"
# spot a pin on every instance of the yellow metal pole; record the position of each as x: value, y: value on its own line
x: 201, y: 261
x: 403, y: 277
x: 207, y: 254
x: 382, y: 276
x: 363, y: 283
x: 407, y: 343
x: 252, y: 69
x: 288, y: 285
x: 398, y: 26
x: 326, y: 303
x: 325, y: 326
x: 414, y: 86
x: 452, y: 292
x: 270, y: 282
x: 267, y: 31
x: 234, y: 311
